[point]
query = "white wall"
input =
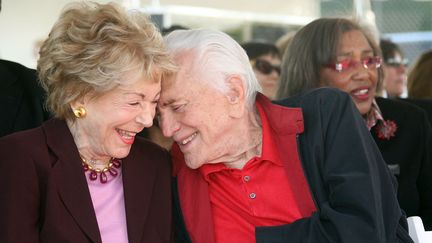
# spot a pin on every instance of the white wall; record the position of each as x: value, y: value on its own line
x: 22, y: 23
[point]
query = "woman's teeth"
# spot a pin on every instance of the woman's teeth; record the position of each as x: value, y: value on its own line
x: 361, y: 92
x: 125, y: 134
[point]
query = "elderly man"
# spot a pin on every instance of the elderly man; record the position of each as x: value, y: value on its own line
x: 247, y: 170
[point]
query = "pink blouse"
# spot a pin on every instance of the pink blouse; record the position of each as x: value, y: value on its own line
x: 108, y: 204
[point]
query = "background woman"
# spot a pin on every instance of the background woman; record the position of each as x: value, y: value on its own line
x: 266, y: 60
x: 338, y: 53
x: 420, y: 78
x: 394, y: 65
x: 84, y: 176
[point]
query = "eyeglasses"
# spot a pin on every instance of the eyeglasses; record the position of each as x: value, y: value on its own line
x: 345, y: 65
x: 396, y: 62
x: 265, y: 67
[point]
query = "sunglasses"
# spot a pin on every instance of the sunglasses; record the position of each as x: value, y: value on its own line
x: 265, y: 67
x: 396, y: 62
x: 346, y: 65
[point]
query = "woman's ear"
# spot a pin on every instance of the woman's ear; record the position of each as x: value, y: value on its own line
x: 236, y: 96
x: 81, y: 102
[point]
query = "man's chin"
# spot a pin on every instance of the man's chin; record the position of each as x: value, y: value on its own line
x: 192, y: 163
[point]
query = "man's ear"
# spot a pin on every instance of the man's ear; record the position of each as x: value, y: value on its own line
x: 236, y: 96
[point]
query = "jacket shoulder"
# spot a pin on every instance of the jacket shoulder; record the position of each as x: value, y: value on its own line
x: 398, y: 108
x: 13, y: 70
x: 323, y: 95
x: 28, y: 140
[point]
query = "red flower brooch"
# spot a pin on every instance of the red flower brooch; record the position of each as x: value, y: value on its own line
x: 386, y: 129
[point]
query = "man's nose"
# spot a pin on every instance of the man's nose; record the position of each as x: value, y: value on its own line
x: 168, y: 124
x: 402, y: 68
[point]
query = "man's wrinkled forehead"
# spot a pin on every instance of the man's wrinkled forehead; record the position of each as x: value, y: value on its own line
x: 169, y: 90
x: 175, y: 87
x: 185, y: 72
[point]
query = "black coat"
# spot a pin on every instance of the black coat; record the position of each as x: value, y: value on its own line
x: 425, y: 104
x: 21, y: 97
x: 409, y: 156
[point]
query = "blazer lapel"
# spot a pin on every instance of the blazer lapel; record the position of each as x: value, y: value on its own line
x: 138, y: 183
x: 287, y: 124
x: 72, y: 184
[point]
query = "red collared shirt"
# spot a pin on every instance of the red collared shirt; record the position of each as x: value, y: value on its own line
x: 257, y: 195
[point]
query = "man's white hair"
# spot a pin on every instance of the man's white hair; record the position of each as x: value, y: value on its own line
x: 217, y: 54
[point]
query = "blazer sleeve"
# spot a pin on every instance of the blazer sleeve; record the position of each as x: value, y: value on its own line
x: 354, y: 192
x: 19, y: 193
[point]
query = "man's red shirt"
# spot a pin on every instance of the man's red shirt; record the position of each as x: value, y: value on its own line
x: 257, y: 195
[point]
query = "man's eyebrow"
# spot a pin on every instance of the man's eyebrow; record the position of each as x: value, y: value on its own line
x: 167, y: 103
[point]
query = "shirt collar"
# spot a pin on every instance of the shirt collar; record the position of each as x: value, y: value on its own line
x: 269, y: 148
x: 373, y: 116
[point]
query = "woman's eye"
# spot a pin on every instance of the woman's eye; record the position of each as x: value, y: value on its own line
x: 134, y: 103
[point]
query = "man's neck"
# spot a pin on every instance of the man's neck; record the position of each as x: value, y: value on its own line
x: 249, y: 144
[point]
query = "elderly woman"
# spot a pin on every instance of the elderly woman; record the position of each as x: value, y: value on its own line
x: 84, y: 176
x: 338, y: 53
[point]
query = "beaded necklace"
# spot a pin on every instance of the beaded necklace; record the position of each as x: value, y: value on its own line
x: 111, y: 168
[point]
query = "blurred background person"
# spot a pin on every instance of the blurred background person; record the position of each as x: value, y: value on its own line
x: 84, y: 176
x: 283, y: 42
x: 21, y: 96
x: 395, y: 70
x: 265, y: 59
x: 173, y: 27
x: 420, y: 78
x: 338, y: 53
x: 420, y: 84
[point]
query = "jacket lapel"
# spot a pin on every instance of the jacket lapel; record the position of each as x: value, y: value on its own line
x: 72, y: 184
x: 287, y: 124
x: 138, y: 184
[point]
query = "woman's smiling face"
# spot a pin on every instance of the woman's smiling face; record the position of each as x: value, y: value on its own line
x: 114, y: 118
x: 357, y: 80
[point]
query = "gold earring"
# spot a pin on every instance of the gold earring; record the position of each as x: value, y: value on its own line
x: 79, y: 112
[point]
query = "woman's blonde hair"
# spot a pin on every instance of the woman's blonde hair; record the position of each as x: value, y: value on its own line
x: 92, y: 47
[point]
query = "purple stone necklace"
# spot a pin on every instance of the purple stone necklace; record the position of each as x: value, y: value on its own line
x: 111, y: 168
